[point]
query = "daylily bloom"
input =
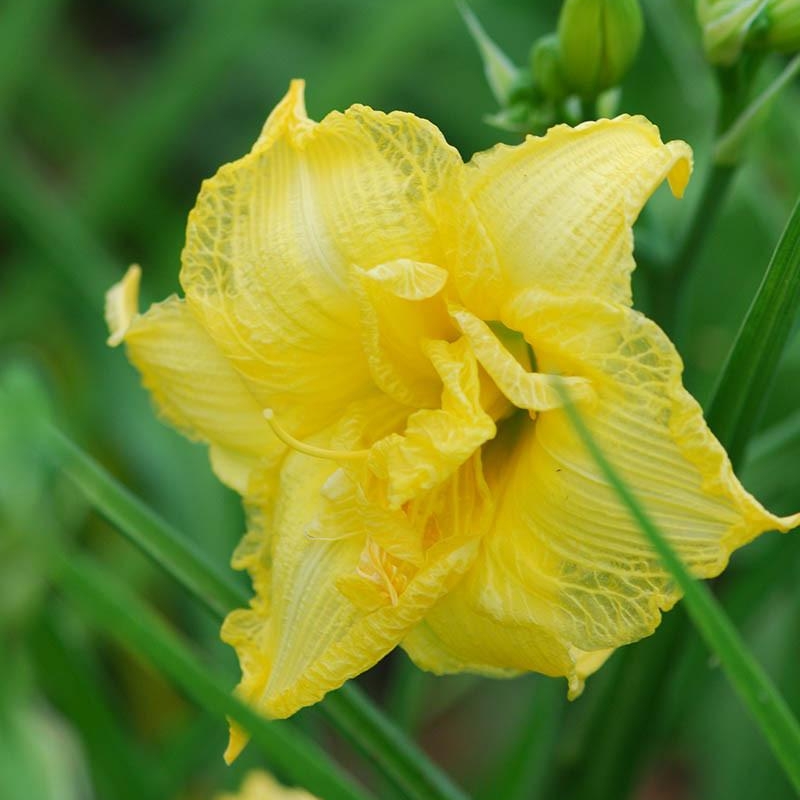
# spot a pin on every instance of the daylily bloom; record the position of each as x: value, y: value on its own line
x: 258, y: 785
x: 369, y: 342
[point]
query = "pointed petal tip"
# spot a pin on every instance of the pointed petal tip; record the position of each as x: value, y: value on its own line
x: 787, y: 524
x: 288, y: 117
x: 681, y: 169
x: 122, y: 305
x: 237, y: 741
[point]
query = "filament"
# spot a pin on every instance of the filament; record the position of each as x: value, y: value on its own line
x: 310, y: 449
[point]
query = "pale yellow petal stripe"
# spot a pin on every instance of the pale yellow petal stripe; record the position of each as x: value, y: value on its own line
x: 273, y: 237
x: 559, y: 209
x: 194, y: 387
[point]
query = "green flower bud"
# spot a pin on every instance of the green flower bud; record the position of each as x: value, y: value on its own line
x: 598, y: 41
x: 545, y: 61
x: 726, y: 25
x: 783, y: 25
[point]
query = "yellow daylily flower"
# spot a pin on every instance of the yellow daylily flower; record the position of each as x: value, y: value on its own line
x: 259, y: 785
x: 369, y: 341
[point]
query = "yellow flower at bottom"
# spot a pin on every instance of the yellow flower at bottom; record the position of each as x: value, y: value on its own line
x: 369, y: 341
x: 258, y: 785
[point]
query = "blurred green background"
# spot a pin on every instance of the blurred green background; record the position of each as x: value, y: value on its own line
x: 111, y: 114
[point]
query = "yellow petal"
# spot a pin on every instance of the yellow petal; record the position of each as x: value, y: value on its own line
x: 401, y: 307
x: 194, y: 387
x: 258, y: 785
x: 563, y: 553
x: 458, y: 636
x: 122, y: 305
x: 436, y: 442
x: 534, y: 391
x: 309, y: 636
x: 273, y: 236
x: 559, y: 210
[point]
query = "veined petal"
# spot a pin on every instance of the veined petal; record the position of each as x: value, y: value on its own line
x: 435, y: 442
x: 193, y: 385
x: 273, y: 236
x: 559, y: 209
x: 458, y: 636
x: 563, y: 553
x: 310, y: 636
x: 401, y: 307
x: 534, y: 391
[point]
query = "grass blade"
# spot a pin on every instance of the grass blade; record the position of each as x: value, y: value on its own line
x: 752, y: 362
x: 350, y: 711
x: 753, y: 685
x: 116, y: 611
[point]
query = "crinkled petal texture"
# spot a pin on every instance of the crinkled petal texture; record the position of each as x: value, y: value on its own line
x: 194, y: 386
x: 559, y: 210
x: 564, y: 574
x: 335, y: 606
x: 405, y: 320
x: 278, y: 239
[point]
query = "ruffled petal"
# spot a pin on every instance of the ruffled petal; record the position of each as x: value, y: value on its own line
x: 534, y: 391
x: 273, y: 236
x: 435, y: 442
x: 402, y: 307
x: 193, y: 385
x: 564, y: 555
x: 558, y: 210
x: 337, y: 604
x: 458, y: 636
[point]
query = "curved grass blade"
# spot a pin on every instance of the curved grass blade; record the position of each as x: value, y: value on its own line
x: 120, y: 614
x: 752, y: 362
x: 753, y: 685
x: 350, y: 711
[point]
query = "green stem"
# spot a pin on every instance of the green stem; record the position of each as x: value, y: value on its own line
x: 406, y: 693
x: 727, y: 148
x: 524, y: 771
x: 349, y: 709
x: 113, y: 609
x: 753, y: 685
x: 376, y: 737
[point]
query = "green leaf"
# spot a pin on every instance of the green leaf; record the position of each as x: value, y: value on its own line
x: 753, y: 685
x: 348, y: 709
x: 753, y: 360
x: 501, y: 73
x: 122, y: 616
x: 165, y: 545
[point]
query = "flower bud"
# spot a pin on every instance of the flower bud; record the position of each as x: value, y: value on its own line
x: 726, y: 25
x: 598, y: 41
x: 783, y: 25
x: 545, y: 62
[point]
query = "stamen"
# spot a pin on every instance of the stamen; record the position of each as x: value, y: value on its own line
x: 310, y: 449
